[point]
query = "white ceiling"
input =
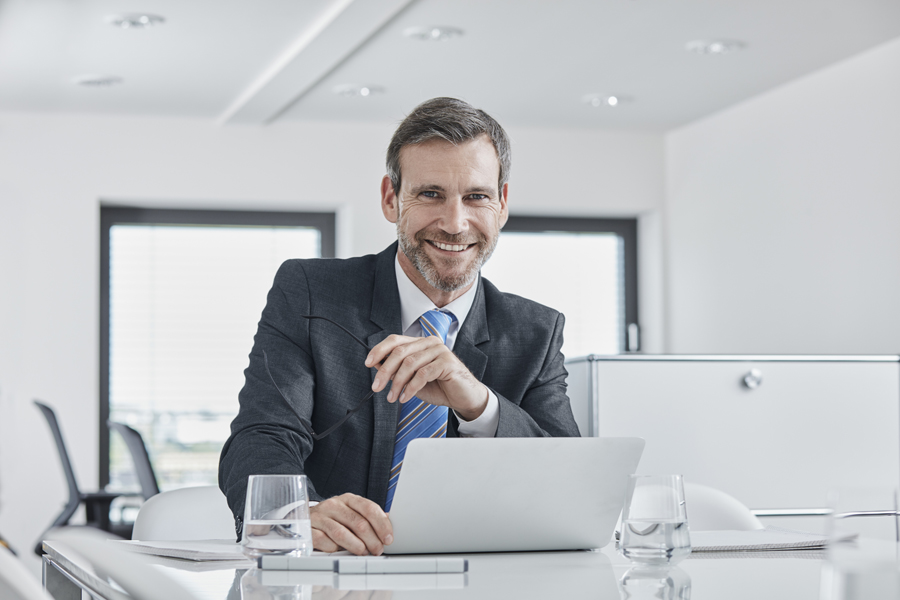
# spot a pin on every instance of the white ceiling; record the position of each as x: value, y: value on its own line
x: 528, y: 62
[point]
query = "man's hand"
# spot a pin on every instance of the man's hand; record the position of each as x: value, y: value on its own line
x: 350, y: 522
x: 425, y: 367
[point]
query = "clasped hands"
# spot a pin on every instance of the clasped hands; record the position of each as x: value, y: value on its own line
x: 427, y: 368
x: 417, y: 366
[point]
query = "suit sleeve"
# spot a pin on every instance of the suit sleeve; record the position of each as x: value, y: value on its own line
x: 544, y: 410
x: 267, y: 437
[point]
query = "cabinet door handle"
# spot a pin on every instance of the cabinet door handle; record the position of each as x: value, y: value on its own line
x: 753, y: 379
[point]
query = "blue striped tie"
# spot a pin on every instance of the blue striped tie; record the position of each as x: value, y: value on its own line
x: 419, y: 419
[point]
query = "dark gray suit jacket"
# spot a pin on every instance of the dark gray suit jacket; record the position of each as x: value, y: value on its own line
x: 509, y: 343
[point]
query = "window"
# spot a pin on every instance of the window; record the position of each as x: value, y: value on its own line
x: 181, y: 295
x: 585, y: 268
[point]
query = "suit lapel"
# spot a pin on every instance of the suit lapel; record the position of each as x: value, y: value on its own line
x: 386, y: 315
x: 474, y: 331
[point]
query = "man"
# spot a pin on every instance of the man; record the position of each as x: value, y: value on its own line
x: 499, y: 371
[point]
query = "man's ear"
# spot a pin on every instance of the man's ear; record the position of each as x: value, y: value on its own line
x: 390, y: 204
x: 504, y: 206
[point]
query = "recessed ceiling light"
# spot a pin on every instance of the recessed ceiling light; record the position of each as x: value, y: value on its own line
x: 433, y: 34
x: 97, y: 81
x: 135, y: 20
x: 714, y: 46
x: 610, y: 100
x: 352, y: 89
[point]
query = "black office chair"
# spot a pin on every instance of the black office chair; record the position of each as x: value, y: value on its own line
x: 96, y: 504
x: 141, y: 458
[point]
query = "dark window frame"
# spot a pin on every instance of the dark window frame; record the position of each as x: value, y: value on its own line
x: 625, y: 228
x: 120, y: 215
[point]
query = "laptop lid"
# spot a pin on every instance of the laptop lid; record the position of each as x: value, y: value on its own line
x: 510, y: 494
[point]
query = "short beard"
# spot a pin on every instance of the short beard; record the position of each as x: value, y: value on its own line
x: 415, y: 252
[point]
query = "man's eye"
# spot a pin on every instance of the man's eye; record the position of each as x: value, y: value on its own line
x: 430, y: 194
x: 480, y: 197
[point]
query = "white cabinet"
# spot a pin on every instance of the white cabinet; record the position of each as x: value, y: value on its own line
x: 813, y: 423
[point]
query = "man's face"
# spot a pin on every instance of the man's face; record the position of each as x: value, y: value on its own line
x: 449, y: 212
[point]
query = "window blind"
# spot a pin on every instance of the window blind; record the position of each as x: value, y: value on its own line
x: 184, y: 304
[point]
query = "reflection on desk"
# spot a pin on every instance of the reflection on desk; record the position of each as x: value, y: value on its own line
x: 525, y: 575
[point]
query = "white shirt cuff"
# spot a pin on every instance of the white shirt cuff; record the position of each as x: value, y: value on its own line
x: 486, y: 424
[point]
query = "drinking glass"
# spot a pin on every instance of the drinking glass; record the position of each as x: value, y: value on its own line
x: 276, y: 516
x: 867, y: 513
x: 863, y: 545
x: 654, y: 522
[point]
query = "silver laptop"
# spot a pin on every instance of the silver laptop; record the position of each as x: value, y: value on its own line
x: 510, y: 494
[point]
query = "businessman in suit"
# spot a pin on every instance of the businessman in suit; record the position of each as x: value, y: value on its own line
x: 499, y: 372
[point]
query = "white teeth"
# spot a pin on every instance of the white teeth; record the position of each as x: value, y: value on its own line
x: 450, y: 247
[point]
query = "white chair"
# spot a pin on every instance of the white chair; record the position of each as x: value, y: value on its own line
x: 131, y: 571
x: 194, y: 513
x: 709, y: 509
x: 16, y: 582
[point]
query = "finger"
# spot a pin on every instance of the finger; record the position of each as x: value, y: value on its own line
x: 355, y: 523
x: 384, y: 347
x: 398, y: 350
x: 423, y: 377
x: 409, y: 368
x: 328, y: 517
x: 343, y: 537
x: 359, y: 525
x: 377, y: 518
x: 322, y: 542
x: 395, y: 359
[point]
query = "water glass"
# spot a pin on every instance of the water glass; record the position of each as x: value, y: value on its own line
x: 869, y: 513
x: 276, y: 516
x: 863, y: 558
x: 654, y: 522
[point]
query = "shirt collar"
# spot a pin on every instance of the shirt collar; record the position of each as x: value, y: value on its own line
x: 414, y: 303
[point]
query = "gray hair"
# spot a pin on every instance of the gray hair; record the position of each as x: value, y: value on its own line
x: 452, y: 120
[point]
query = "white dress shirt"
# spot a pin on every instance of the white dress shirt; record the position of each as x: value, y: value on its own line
x: 413, y: 304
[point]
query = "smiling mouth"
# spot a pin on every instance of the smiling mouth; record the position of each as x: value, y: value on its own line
x: 450, y: 247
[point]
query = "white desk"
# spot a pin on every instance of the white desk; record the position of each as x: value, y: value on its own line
x: 563, y: 575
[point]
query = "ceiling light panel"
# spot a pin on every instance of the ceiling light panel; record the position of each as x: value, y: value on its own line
x: 135, y: 21
x: 97, y: 81
x: 434, y: 33
x: 358, y: 90
x: 607, y: 100
x: 714, y: 46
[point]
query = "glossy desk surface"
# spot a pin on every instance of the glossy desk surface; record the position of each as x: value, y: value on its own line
x: 597, y: 575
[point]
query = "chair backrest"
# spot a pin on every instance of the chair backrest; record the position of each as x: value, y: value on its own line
x: 710, y: 509
x: 139, y: 456
x: 74, y: 494
x: 16, y: 582
x: 194, y: 513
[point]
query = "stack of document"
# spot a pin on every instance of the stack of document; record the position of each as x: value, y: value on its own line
x: 199, y: 550
x: 756, y: 540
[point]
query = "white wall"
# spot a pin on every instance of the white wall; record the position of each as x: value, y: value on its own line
x: 783, y: 216
x: 56, y: 170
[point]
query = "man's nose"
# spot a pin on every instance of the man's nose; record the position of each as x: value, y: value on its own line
x: 454, y: 218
